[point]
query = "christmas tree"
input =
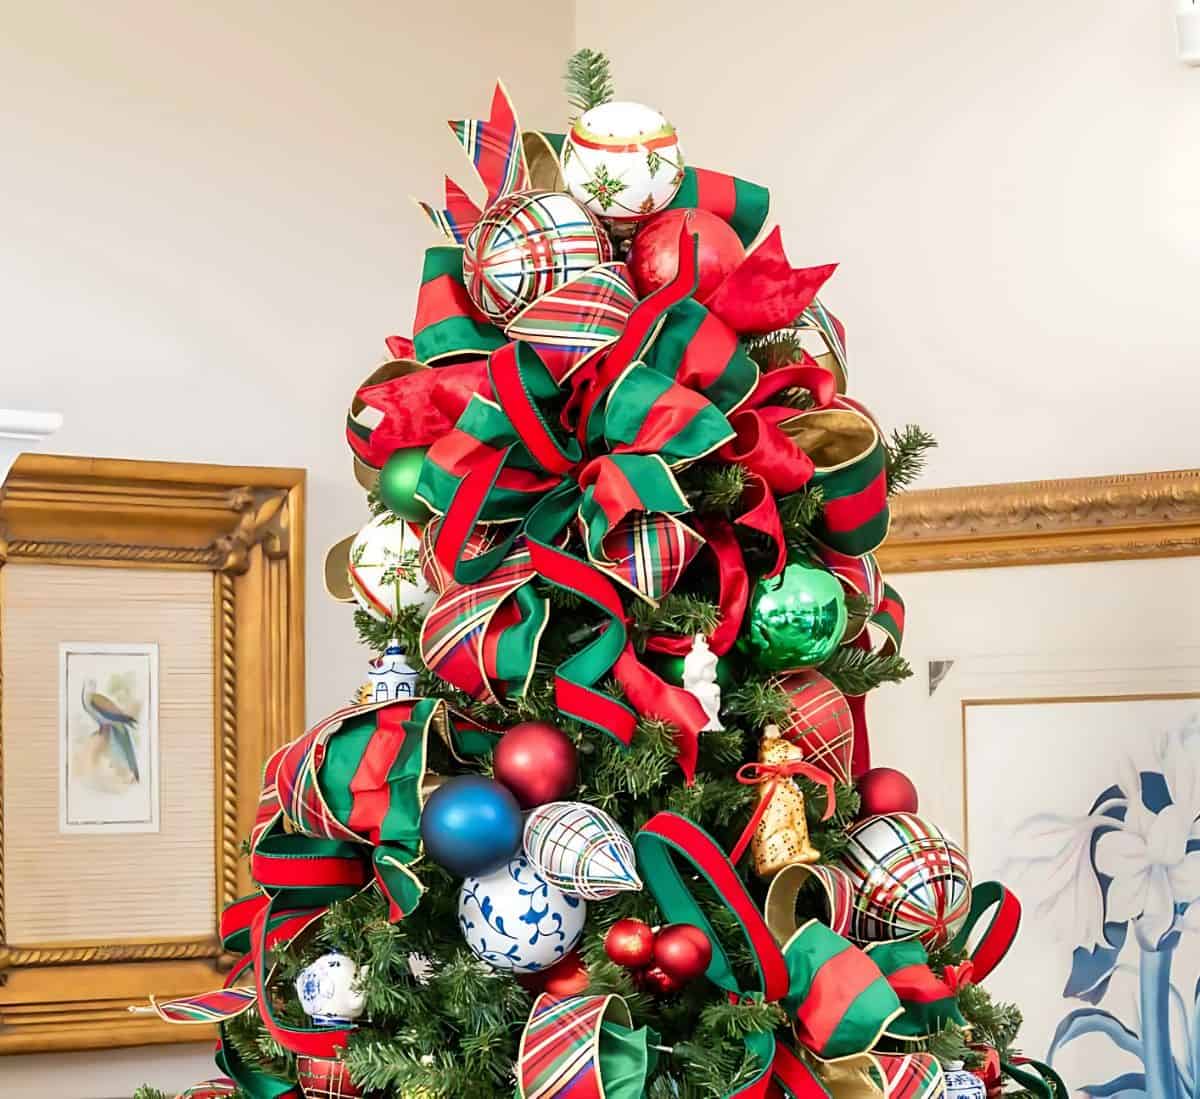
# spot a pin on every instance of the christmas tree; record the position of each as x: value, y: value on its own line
x: 603, y: 821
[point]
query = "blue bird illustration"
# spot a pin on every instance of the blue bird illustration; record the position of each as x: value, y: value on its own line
x: 115, y: 727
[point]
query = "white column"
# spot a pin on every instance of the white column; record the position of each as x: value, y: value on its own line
x: 20, y: 431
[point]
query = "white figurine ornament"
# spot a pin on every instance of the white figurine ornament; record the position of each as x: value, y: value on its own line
x: 330, y: 990
x: 700, y: 680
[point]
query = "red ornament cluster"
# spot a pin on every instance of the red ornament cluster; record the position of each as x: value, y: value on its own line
x: 662, y: 961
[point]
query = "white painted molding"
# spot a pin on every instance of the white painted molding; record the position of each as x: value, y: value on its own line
x: 20, y: 431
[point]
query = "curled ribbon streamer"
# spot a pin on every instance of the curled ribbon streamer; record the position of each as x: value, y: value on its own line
x: 837, y: 999
x: 771, y: 774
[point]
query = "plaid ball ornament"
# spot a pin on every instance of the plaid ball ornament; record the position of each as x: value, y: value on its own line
x: 323, y: 1078
x: 527, y: 244
x: 908, y: 881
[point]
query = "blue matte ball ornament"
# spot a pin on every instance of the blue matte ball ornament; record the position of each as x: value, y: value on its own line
x: 471, y: 825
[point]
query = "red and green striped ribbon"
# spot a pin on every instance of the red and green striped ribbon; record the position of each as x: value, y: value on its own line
x: 339, y: 809
x: 1002, y: 910
x: 929, y: 1003
x: 744, y: 205
x: 447, y: 323
x: 854, y: 518
x: 837, y: 998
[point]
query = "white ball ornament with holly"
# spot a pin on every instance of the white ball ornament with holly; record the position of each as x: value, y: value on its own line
x: 385, y: 568
x: 622, y: 161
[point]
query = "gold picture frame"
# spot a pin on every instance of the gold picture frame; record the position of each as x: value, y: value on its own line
x: 1045, y: 522
x: 245, y: 527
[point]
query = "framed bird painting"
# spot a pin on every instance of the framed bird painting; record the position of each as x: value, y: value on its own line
x: 151, y: 658
x: 108, y: 761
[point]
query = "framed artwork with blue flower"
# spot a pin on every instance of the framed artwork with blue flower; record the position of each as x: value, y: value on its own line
x: 1052, y: 724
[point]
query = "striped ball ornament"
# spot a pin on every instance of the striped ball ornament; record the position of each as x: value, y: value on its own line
x: 527, y: 244
x: 909, y: 880
x: 581, y: 850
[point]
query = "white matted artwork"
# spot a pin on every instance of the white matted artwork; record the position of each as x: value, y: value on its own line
x: 1101, y: 844
x: 1037, y: 692
x: 108, y: 737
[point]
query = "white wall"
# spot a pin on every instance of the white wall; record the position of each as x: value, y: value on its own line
x: 1013, y: 190
x: 206, y: 237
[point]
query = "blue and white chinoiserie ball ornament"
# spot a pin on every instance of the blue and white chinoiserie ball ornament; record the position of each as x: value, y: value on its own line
x: 471, y: 825
x: 515, y: 920
x: 581, y: 850
x: 527, y: 244
x: 622, y: 161
x: 384, y: 568
x: 330, y: 991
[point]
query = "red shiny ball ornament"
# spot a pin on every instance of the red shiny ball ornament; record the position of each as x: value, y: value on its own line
x: 658, y: 982
x: 566, y: 977
x: 630, y: 943
x: 537, y: 762
x: 886, y: 790
x: 654, y: 257
x: 682, y: 951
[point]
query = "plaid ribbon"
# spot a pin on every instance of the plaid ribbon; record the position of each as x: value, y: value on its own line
x: 479, y: 636
x: 570, y: 324
x: 494, y: 147
x: 563, y: 1055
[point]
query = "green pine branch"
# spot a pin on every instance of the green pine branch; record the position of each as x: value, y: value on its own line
x: 993, y: 1022
x: 677, y: 613
x: 775, y: 349
x: 907, y: 452
x: 589, y: 80
x: 759, y: 702
x: 857, y: 671
x: 150, y: 1093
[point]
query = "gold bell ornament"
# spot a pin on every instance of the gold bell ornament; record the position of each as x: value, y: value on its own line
x: 777, y: 832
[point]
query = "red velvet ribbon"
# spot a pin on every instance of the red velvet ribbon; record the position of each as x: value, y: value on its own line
x: 733, y: 592
x: 772, y: 774
x: 959, y: 976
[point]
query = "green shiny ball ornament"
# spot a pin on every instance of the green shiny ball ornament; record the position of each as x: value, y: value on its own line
x: 398, y: 484
x: 796, y: 619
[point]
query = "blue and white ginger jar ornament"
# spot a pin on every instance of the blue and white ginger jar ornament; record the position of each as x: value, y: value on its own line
x: 516, y: 921
x: 961, y: 1084
x: 329, y: 990
x: 390, y: 677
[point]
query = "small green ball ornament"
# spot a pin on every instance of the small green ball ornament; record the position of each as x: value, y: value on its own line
x: 398, y: 484
x: 796, y: 619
